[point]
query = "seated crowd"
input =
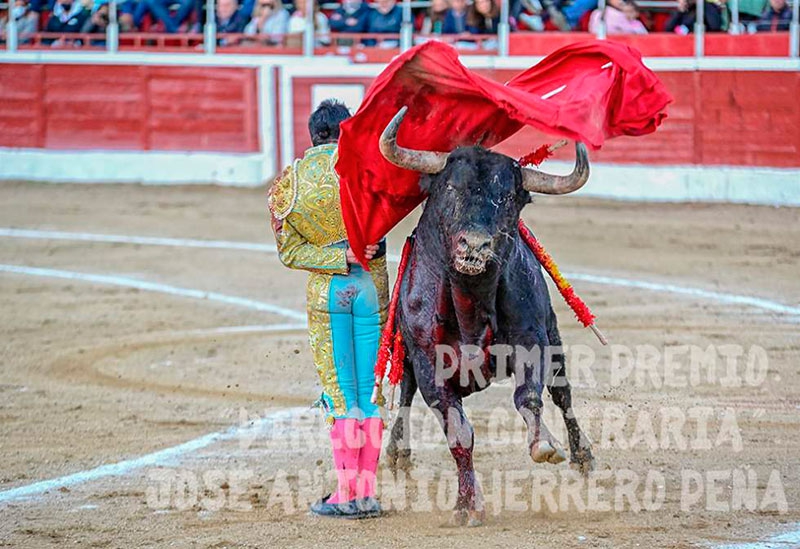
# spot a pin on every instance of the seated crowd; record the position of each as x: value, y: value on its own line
x: 273, y: 21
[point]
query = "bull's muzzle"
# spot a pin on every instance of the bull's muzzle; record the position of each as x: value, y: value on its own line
x: 472, y: 251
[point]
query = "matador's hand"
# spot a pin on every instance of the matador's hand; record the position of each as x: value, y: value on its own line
x: 369, y: 253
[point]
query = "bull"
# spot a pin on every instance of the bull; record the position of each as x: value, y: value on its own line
x: 472, y: 284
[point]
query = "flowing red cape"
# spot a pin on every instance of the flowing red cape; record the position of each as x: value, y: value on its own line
x: 588, y: 92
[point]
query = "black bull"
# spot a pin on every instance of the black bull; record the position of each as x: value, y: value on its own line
x: 472, y: 283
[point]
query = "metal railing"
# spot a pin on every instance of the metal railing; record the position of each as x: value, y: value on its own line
x: 309, y: 43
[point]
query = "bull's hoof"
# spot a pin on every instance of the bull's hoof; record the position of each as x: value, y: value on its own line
x: 558, y: 457
x: 582, y: 461
x: 470, y: 519
x: 402, y: 463
x: 476, y: 518
x: 398, y: 460
x: 544, y: 452
x: 460, y: 518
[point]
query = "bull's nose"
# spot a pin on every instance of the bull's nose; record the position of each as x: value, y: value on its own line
x: 473, y: 241
x: 472, y: 253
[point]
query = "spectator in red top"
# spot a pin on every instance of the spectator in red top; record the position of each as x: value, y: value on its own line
x: 777, y: 17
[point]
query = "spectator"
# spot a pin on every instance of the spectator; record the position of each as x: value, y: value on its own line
x: 159, y: 10
x: 483, y: 17
x: 229, y: 19
x: 67, y: 16
x: 620, y: 16
x: 386, y: 18
x: 98, y: 21
x: 455, y: 20
x: 270, y: 19
x: 297, y: 23
x: 26, y: 25
x: 776, y: 17
x: 434, y: 18
x: 531, y: 17
x: 682, y: 22
x: 751, y: 10
x: 352, y: 16
x: 36, y: 8
x: 569, y: 16
x: 126, y: 9
x: 125, y: 12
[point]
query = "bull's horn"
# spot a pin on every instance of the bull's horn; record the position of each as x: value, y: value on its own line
x: 545, y: 183
x: 420, y: 161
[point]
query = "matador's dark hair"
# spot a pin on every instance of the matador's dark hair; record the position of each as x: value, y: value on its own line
x: 323, y: 125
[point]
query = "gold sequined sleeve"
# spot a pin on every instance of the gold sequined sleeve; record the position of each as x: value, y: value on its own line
x: 297, y: 253
x: 294, y: 249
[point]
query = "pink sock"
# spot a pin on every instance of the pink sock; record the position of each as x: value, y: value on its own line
x: 346, y: 440
x: 368, y: 458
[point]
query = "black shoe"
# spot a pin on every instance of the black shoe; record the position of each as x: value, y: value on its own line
x: 368, y: 507
x: 346, y: 509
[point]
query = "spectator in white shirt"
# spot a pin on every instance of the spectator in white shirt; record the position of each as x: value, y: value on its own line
x: 270, y: 19
x: 297, y: 23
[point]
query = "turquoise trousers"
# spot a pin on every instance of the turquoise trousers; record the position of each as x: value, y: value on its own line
x: 345, y: 315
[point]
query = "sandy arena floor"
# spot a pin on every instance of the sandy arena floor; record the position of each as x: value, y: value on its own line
x: 94, y: 373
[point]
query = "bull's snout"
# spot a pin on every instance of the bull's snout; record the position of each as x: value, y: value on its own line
x: 472, y: 252
x: 473, y: 241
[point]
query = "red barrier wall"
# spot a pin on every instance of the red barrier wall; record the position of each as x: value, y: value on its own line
x: 661, y: 44
x: 745, y: 118
x: 129, y: 107
x: 739, y: 118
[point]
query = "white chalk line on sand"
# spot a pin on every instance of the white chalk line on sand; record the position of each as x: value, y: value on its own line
x: 720, y: 297
x: 785, y: 540
x: 144, y: 285
x: 145, y: 240
x: 160, y: 457
x: 252, y: 329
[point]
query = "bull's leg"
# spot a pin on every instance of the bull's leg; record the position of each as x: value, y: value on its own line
x: 398, y: 451
x: 544, y: 447
x: 530, y: 379
x: 460, y: 438
x: 580, y: 448
x: 445, y: 402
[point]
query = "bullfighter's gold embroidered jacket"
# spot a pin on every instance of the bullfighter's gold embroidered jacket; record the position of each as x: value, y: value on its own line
x: 307, y: 218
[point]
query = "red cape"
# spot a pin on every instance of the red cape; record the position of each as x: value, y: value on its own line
x: 587, y: 92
